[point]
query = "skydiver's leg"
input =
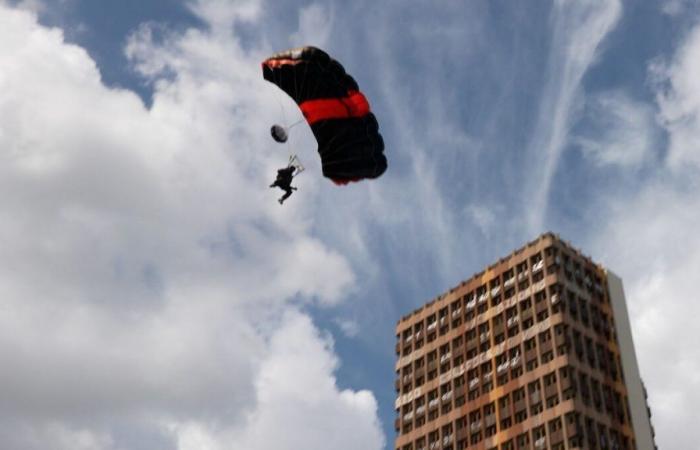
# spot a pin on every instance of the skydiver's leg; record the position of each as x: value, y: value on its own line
x: 286, y: 195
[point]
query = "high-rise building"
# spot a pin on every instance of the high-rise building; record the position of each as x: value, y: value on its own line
x: 535, y: 352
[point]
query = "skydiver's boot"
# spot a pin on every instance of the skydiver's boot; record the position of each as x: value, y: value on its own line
x: 285, y: 196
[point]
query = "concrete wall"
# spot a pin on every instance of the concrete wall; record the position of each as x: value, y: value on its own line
x: 637, y: 400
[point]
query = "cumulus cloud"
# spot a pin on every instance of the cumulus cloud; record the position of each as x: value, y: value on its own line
x: 652, y: 242
x: 37, y: 6
x: 298, y: 402
x: 149, y: 279
x: 297, y: 381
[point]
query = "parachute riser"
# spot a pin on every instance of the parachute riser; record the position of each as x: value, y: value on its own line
x: 296, y: 163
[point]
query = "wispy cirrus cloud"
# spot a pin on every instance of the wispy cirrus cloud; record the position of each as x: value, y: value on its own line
x: 578, y: 31
x: 677, y: 7
x: 623, y: 132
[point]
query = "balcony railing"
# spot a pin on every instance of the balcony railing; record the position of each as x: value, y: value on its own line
x: 446, y: 396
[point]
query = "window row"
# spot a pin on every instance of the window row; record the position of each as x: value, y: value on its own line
x: 575, y: 428
x: 515, y: 318
x: 513, y: 408
x: 539, y: 349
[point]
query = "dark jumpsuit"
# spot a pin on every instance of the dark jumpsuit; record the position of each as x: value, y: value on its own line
x: 284, y: 182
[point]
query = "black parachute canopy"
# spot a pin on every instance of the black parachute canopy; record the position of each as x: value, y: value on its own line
x: 347, y: 132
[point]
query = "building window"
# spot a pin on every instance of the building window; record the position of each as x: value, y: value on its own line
x: 508, y: 445
x: 547, y: 357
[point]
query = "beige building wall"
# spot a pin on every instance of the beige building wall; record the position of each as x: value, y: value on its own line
x: 534, y: 352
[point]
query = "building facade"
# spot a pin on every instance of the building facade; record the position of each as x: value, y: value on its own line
x: 535, y: 352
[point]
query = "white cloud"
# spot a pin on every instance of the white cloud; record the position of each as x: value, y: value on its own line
x: 222, y: 14
x: 651, y: 240
x: 297, y: 382
x: 350, y: 328
x: 146, y: 266
x: 623, y: 131
x: 484, y: 217
x: 315, y: 24
x: 36, y: 6
x: 298, y: 404
x: 652, y: 243
x: 579, y: 29
x: 679, y: 101
x: 677, y: 7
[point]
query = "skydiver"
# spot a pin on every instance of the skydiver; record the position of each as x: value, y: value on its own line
x: 284, y: 182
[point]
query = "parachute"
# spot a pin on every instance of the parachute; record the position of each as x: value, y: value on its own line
x: 339, y: 115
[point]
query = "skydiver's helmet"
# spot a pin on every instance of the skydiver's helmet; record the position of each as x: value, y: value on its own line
x: 278, y: 133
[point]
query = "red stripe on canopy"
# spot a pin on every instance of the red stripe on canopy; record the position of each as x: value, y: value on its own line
x: 344, y: 181
x: 275, y: 63
x: 354, y: 105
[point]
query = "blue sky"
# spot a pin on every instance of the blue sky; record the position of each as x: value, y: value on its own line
x: 175, y: 297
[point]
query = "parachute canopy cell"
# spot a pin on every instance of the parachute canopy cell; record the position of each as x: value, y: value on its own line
x: 347, y: 132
